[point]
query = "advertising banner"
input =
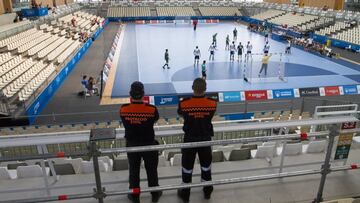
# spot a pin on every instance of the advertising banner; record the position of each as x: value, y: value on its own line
x: 283, y: 94
x: 256, y: 95
x: 166, y: 100
x: 309, y: 92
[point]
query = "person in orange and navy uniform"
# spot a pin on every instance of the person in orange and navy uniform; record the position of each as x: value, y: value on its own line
x: 197, y: 112
x: 138, y: 119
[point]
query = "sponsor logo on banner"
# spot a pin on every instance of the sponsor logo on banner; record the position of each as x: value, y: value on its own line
x: 309, y: 92
x: 230, y: 97
x: 350, y: 89
x: 256, y: 95
x: 154, y: 21
x: 166, y: 100
x: 332, y: 91
x: 283, y: 94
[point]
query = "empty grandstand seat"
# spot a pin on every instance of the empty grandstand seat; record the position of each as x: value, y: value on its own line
x: 64, y: 169
x: 171, y: 154
x: 218, y: 156
x: 176, y: 160
x: 29, y: 171
x: 88, y: 167
x: 240, y: 154
x: 269, y: 144
x: 107, y: 161
x: 76, y: 163
x: 4, y: 174
x: 14, y: 166
x: 249, y: 146
x: 162, y: 161
x: 316, y: 146
x: 292, y: 149
x: 120, y: 163
x: 265, y: 151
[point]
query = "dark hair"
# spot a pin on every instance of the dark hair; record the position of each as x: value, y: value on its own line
x: 137, y: 90
x: 84, y: 77
x: 199, y: 86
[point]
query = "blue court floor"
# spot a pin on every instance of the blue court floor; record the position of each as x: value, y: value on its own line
x: 142, y: 58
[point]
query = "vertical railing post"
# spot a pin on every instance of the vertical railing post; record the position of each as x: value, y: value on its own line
x: 99, y: 134
x: 325, y: 168
x: 99, y: 190
x: 282, y: 157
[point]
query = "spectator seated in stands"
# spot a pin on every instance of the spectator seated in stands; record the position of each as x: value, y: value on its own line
x: 73, y: 22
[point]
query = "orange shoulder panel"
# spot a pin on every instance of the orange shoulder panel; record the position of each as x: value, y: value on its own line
x: 198, y: 102
x: 137, y: 108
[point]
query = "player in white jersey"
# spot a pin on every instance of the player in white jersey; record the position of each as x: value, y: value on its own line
x: 197, y: 55
x: 232, y: 51
x: 249, y: 48
x: 266, y: 48
x: 212, y: 49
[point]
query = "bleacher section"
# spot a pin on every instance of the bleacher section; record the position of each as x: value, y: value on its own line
x: 175, y: 11
x: 129, y: 12
x: 219, y: 11
x: 269, y: 14
x: 338, y: 26
x: 293, y: 20
x: 31, y: 57
x: 350, y: 35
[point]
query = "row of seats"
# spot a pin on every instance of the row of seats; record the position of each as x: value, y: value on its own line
x: 68, y: 166
x: 350, y: 35
x: 34, y: 50
x: 293, y: 20
x: 15, y: 72
x: 268, y: 14
x: 46, y: 51
x: 267, y: 150
x: 59, y: 49
x: 64, y: 55
x: 216, y: 3
x: 315, y: 24
x: 11, y: 63
x: 4, y: 57
x: 128, y: 11
x: 272, y: 115
x: 171, y: 4
x: 5, y: 42
x: 25, y: 47
x: 219, y: 11
x: 25, y: 78
x: 36, y: 82
x: 332, y: 29
x: 175, y: 11
x: 15, y: 44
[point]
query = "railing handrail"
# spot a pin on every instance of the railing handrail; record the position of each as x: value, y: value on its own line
x: 83, y: 136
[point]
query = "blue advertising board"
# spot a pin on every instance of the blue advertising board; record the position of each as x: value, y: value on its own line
x: 39, y: 104
x: 232, y: 96
x: 350, y: 89
x: 283, y: 94
x: 34, y: 12
x: 166, y: 100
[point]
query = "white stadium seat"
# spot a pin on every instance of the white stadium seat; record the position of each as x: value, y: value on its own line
x: 29, y: 171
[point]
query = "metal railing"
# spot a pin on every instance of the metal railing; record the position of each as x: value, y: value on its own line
x: 94, y: 151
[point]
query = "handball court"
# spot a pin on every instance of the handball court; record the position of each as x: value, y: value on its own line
x: 67, y: 107
x: 140, y: 56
